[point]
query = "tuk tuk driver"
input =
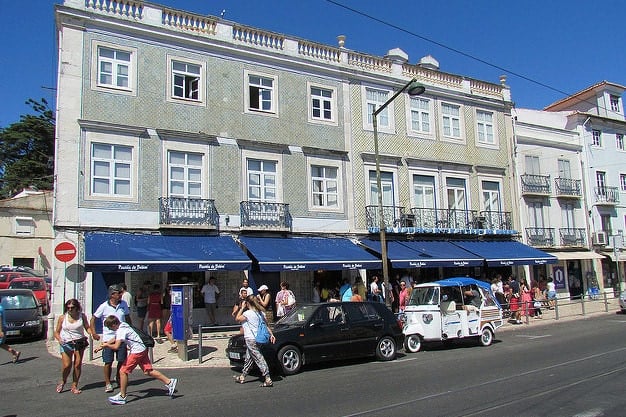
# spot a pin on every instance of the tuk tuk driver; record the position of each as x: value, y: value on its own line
x: 471, y: 299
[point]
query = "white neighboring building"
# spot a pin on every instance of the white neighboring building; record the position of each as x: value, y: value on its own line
x: 597, y: 114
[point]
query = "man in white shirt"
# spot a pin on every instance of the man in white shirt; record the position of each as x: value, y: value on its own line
x: 211, y: 294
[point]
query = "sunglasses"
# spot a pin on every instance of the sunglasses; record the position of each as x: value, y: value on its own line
x: 71, y: 307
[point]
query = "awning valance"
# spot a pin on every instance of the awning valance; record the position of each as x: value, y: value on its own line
x: 507, y: 253
x: 566, y: 256
x: 123, y: 252
x: 425, y: 254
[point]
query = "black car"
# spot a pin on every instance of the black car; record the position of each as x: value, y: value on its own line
x: 327, y: 331
x: 22, y: 314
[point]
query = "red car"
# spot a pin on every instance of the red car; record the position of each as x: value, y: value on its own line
x: 38, y: 286
x: 7, y: 276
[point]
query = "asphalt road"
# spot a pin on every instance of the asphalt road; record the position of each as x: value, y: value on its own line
x: 574, y: 368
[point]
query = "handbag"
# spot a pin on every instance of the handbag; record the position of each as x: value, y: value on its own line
x: 291, y: 299
x: 80, y: 344
x: 262, y: 334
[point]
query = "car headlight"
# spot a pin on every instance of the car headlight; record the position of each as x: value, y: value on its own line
x: 31, y: 323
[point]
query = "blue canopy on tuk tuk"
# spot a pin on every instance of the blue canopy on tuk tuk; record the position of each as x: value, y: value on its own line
x: 463, y: 281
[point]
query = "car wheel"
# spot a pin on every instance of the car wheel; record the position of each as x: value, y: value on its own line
x: 413, y: 343
x: 486, y: 337
x: 290, y: 360
x: 386, y: 349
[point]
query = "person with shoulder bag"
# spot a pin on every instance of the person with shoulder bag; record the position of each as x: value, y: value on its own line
x: 285, y: 300
x: 255, y: 333
x: 70, y: 333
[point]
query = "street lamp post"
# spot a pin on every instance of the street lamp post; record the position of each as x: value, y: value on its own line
x: 413, y: 88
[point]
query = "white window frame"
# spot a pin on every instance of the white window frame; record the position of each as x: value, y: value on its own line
x: 262, y: 156
x: 568, y: 215
x: 422, y: 115
x: 622, y: 181
x: 452, y: 118
x: 192, y: 175
x: 484, y: 126
x: 386, y: 120
x: 332, y: 101
x: 24, y: 226
x: 488, y: 195
x: 325, y: 163
x: 415, y: 186
x: 170, y: 145
x: 390, y: 186
x: 596, y: 138
x: 535, y: 214
x: 464, y: 189
x: 273, y: 90
x: 117, y: 139
x: 619, y: 141
x: 200, y: 101
x: 615, y: 103
x: 131, y: 89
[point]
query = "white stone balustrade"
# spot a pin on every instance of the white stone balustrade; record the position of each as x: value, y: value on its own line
x: 189, y: 22
x: 124, y: 8
x: 258, y: 37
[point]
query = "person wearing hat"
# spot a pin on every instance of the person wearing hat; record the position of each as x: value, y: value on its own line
x: 265, y: 299
x: 117, y: 307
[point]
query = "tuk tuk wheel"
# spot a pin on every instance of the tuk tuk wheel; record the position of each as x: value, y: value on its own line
x: 413, y: 343
x: 486, y: 337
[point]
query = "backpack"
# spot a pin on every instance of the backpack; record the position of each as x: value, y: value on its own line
x: 146, y: 339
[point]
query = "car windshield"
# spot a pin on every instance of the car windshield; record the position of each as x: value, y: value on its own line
x: 29, y: 285
x: 424, y: 296
x: 18, y: 302
x: 299, y: 315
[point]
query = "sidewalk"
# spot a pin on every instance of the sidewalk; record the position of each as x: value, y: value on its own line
x: 214, y: 343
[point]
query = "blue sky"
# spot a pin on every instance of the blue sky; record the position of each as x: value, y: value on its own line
x: 547, y: 48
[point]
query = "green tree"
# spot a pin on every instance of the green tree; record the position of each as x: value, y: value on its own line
x: 27, y: 151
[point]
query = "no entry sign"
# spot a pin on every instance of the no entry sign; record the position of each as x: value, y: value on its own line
x: 65, y: 251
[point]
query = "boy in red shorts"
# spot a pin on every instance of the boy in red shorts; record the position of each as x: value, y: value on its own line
x: 138, y: 356
x: 168, y: 333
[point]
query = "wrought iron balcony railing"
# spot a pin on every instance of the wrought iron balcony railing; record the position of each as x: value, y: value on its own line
x: 262, y: 215
x: 535, y: 184
x: 540, y: 236
x: 495, y: 220
x: 180, y: 211
x: 576, y: 237
x: 606, y: 195
x: 567, y: 187
x: 392, y: 216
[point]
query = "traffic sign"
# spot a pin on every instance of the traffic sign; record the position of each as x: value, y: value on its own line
x: 65, y: 251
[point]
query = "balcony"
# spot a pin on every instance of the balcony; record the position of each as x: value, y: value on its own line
x: 394, y: 216
x: 567, y: 188
x: 535, y: 184
x: 606, y: 195
x: 262, y: 215
x: 496, y: 220
x: 188, y: 212
x: 573, y: 237
x: 540, y: 237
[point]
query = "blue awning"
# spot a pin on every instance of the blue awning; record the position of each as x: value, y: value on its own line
x: 119, y: 252
x: 507, y: 253
x: 308, y: 253
x: 425, y: 254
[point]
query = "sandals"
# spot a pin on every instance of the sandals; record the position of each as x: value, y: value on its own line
x: 240, y: 379
x: 267, y: 383
x: 75, y: 390
x: 60, y: 386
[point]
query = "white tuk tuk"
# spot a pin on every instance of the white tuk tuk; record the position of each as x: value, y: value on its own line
x: 451, y: 308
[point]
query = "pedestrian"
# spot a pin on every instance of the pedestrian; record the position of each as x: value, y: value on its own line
x: 166, y: 306
x: 211, y: 293
x: 514, y: 301
x: 117, y: 307
x: 126, y: 336
x: 141, y: 302
x: 265, y: 300
x: 3, y: 345
x: 70, y: 333
x: 285, y: 300
x: 355, y: 294
x: 170, y: 336
x: 250, y: 316
x: 403, y: 297
x: 155, y: 300
x: 374, y: 289
x: 128, y: 297
x: 246, y: 286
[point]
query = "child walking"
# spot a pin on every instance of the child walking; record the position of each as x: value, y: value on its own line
x: 138, y: 356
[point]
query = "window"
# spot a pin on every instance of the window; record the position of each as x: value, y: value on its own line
x: 601, y: 181
x: 532, y: 165
x: 386, y: 180
x: 491, y: 196
x: 567, y: 212
x: 607, y: 227
x: 114, y: 68
x: 596, y: 138
x: 186, y: 80
x: 423, y: 191
x: 451, y: 117
x: 619, y: 141
x: 374, y: 99
x: 565, y: 170
x: 261, y: 93
x: 455, y: 189
x: 420, y: 114
x: 615, y: 103
x: 325, y: 186
x: 185, y: 174
x: 484, y: 122
x: 622, y: 181
x: 24, y: 226
x: 111, y: 169
x: 535, y: 214
x: 323, y: 104
x: 262, y: 180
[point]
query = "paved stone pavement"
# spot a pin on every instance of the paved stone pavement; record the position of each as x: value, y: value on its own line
x: 214, y: 343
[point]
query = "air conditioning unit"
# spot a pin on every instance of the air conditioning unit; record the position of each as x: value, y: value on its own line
x: 599, y: 238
